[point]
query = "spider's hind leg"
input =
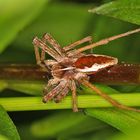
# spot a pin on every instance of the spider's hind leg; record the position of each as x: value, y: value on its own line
x: 108, y: 98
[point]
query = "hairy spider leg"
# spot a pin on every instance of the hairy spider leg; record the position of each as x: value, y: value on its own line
x: 39, y: 43
x: 54, y: 43
x: 41, y: 59
x: 55, y: 91
x: 106, y: 97
x: 74, y: 97
x: 51, y: 84
x: 102, y: 42
x: 50, y: 62
x: 71, y: 46
x: 42, y: 51
x: 38, y: 58
x: 47, y: 62
x: 61, y: 95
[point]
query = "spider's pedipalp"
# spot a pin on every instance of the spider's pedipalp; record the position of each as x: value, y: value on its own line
x: 54, y: 43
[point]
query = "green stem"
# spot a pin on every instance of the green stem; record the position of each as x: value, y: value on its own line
x: 84, y: 101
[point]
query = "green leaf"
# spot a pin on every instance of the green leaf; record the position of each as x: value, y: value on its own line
x: 127, y: 10
x: 35, y: 88
x: 100, y: 134
x: 65, y: 22
x: 84, y: 101
x: 3, y: 85
x: 3, y: 137
x: 133, y: 134
x: 65, y: 124
x: 14, y: 16
x: 7, y: 128
x: 120, y: 119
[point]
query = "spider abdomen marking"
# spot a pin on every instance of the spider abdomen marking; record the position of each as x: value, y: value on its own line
x: 94, y: 63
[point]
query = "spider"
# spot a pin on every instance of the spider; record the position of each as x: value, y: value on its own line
x: 71, y: 67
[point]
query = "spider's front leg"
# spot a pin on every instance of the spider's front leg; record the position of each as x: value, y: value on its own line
x: 55, y: 91
x: 40, y: 59
x: 38, y: 43
x: 52, y: 83
x: 47, y: 37
x: 71, y: 84
x: 63, y: 93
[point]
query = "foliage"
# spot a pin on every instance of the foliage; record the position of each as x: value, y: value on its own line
x: 7, y: 127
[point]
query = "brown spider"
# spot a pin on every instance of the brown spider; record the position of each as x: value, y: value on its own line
x: 70, y: 67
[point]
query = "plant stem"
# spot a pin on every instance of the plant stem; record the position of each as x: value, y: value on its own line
x: 84, y: 101
x: 117, y: 75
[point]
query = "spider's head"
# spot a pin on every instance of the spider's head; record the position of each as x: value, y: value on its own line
x: 63, y: 69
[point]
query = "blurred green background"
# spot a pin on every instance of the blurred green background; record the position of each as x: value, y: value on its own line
x: 68, y: 21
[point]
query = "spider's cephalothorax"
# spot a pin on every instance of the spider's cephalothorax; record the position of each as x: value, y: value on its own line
x: 70, y: 66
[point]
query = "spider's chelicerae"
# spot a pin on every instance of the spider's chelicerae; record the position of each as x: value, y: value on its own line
x: 71, y: 66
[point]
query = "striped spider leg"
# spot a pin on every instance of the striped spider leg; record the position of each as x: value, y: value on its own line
x: 70, y: 66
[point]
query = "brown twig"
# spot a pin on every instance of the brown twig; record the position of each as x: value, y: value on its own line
x: 116, y: 75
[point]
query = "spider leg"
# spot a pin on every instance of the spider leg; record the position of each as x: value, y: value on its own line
x: 40, y: 44
x: 106, y: 97
x: 54, y: 43
x: 74, y: 98
x: 60, y: 96
x: 55, y: 91
x: 42, y: 57
x: 51, y: 84
x: 43, y: 52
x: 71, y: 46
x: 38, y: 58
x: 101, y: 42
x: 50, y: 62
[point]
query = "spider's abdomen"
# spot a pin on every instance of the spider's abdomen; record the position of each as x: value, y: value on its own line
x: 93, y: 63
